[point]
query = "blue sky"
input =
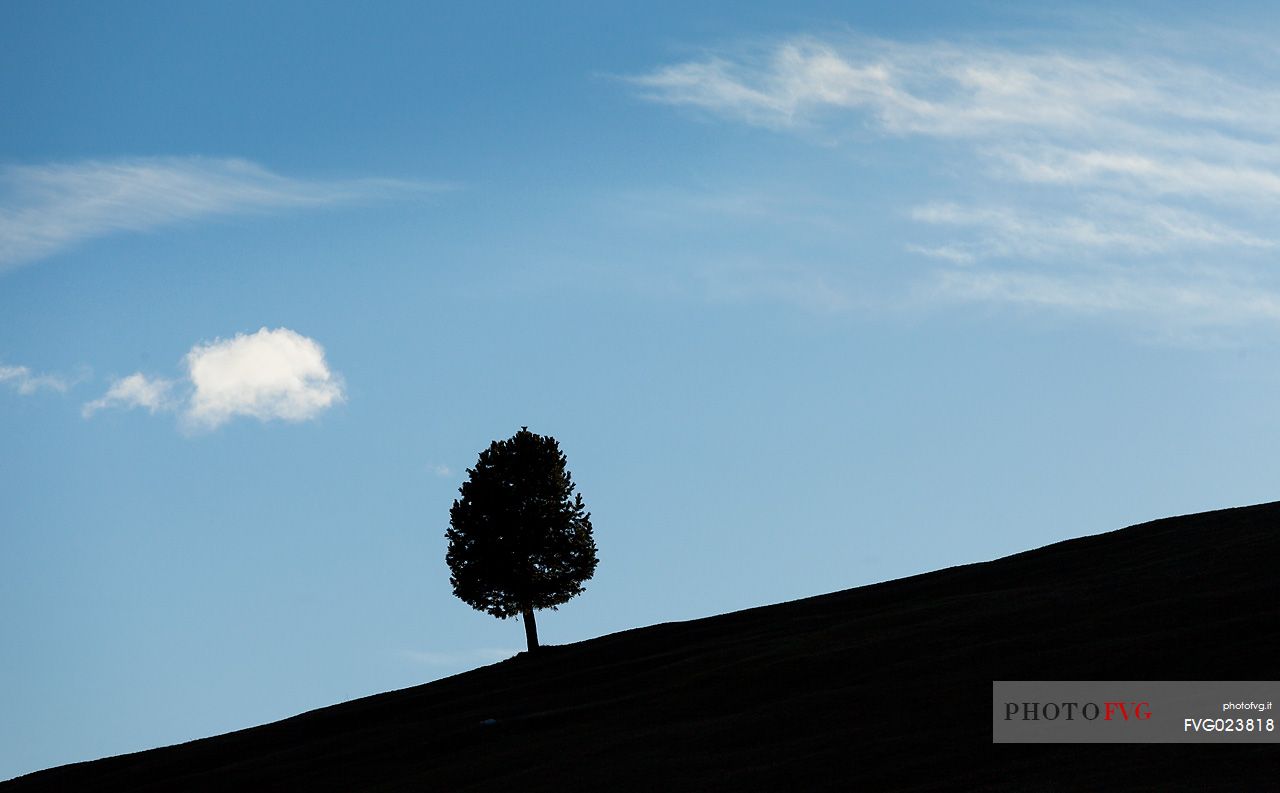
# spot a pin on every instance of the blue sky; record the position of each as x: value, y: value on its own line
x: 812, y: 294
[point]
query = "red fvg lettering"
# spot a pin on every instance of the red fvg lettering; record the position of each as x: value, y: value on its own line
x: 1141, y: 710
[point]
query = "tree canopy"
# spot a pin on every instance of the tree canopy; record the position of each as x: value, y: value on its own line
x: 520, y: 539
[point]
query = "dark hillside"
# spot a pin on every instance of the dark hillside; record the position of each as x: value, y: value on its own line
x: 884, y: 687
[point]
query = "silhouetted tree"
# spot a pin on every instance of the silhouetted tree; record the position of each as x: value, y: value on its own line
x: 519, y: 538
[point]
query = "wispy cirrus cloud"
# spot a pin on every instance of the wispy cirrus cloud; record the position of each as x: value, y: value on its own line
x: 45, y: 209
x: 1122, y: 180
x: 1242, y: 180
x: 973, y: 91
x: 1091, y: 229
x: 27, y: 382
x: 268, y: 375
x: 1204, y: 303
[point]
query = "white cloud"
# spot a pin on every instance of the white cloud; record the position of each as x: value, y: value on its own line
x: 798, y: 79
x: 267, y: 375
x: 271, y: 374
x: 1187, y: 307
x: 951, y: 90
x: 1147, y: 173
x: 441, y: 470
x: 45, y: 209
x: 1103, y: 227
x: 26, y: 382
x: 1078, y: 168
x: 135, y: 391
x: 951, y: 253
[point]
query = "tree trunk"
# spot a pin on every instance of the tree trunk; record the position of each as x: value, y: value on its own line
x: 530, y: 629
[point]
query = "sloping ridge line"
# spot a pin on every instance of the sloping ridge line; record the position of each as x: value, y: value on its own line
x: 885, y: 686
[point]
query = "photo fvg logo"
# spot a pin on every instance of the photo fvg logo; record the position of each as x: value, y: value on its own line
x: 1070, y: 711
x: 1134, y: 711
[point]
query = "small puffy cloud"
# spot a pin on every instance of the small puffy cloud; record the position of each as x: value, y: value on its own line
x: 27, y: 382
x: 135, y: 391
x: 441, y: 470
x: 270, y: 374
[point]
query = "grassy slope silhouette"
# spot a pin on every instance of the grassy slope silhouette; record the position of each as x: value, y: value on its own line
x: 883, y: 687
